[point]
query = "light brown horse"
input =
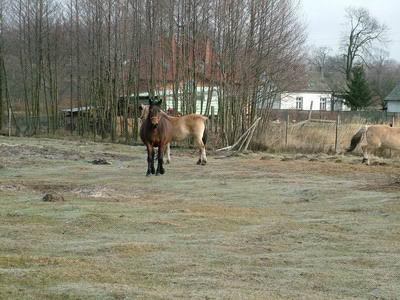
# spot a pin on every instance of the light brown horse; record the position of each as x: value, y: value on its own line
x: 120, y: 126
x: 155, y: 131
x: 193, y: 125
x: 375, y: 137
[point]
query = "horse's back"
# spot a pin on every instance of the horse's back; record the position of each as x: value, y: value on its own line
x: 383, y: 136
x: 195, y: 121
x: 189, y: 125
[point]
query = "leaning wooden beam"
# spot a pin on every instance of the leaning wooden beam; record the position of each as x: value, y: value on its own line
x: 251, y: 135
x: 322, y: 121
x: 300, y: 123
x: 237, y: 142
x: 242, y: 139
x: 245, y: 139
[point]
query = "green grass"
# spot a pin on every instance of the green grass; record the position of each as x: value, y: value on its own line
x: 242, y: 227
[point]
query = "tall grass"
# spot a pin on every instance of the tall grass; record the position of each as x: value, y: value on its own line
x: 306, y: 138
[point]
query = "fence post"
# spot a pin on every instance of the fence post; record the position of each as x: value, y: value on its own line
x: 287, y: 129
x: 216, y: 123
x: 337, y: 132
x: 393, y: 120
x: 310, y: 112
x: 9, y: 121
x: 212, y: 118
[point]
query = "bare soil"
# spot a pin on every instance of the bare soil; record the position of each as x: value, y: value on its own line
x: 253, y: 226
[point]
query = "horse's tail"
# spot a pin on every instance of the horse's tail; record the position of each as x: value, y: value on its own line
x: 356, y: 139
x: 205, y: 133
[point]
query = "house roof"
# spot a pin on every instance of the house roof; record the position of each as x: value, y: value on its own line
x: 395, y: 94
x: 313, y: 84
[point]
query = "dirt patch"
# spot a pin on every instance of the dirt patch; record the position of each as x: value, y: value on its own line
x: 100, y: 161
x: 48, y: 187
x: 95, y: 192
x: 11, y: 187
x: 53, y: 198
x: 30, y: 152
x: 325, y: 167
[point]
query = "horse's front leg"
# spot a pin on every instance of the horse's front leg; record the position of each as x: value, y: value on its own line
x: 160, y: 156
x: 150, y: 160
x: 153, y: 154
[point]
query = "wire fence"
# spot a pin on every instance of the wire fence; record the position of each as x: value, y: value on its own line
x: 326, y: 132
x: 289, y: 130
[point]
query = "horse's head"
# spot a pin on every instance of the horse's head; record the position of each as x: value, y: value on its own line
x: 154, y: 112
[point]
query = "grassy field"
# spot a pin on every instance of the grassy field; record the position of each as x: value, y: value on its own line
x: 259, y: 226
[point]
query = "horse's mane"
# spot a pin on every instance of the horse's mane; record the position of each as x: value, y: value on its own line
x: 145, y: 113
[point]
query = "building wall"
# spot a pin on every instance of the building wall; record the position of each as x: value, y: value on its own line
x: 288, y: 101
x: 393, y: 106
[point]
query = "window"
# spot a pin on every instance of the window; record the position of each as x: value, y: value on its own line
x: 299, y: 103
x: 322, y: 104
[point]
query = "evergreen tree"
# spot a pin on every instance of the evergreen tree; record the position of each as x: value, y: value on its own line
x: 358, y: 94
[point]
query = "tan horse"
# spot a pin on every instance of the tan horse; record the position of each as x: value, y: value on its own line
x: 375, y: 137
x: 120, y: 126
x: 193, y: 125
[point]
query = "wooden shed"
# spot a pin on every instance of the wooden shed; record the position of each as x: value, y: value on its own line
x: 393, y: 100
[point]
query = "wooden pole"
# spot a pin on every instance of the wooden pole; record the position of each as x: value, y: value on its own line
x: 287, y: 129
x: 216, y: 123
x: 310, y: 112
x: 337, y: 132
x: 9, y: 121
x: 212, y: 118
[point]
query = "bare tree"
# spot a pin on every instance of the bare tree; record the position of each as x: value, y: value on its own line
x: 363, y: 32
x: 383, y: 75
x: 2, y: 79
x: 318, y: 59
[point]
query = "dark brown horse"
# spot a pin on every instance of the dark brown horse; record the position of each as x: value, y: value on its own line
x: 155, y: 131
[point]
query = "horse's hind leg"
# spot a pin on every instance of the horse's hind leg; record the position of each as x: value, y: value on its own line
x: 168, y: 153
x: 202, y: 152
x: 365, y: 155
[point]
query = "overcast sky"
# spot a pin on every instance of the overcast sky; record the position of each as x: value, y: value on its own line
x: 326, y: 19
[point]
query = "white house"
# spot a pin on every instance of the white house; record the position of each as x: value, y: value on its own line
x: 309, y: 99
x: 393, y: 100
